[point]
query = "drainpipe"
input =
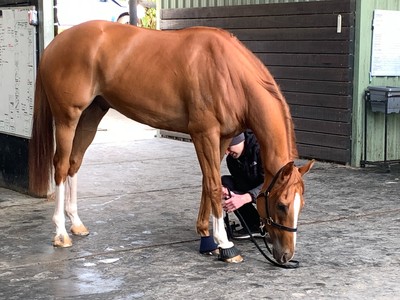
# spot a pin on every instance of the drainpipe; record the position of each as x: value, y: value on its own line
x: 46, y: 23
x: 133, y: 12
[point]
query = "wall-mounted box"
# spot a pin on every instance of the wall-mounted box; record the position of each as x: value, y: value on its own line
x: 384, y: 99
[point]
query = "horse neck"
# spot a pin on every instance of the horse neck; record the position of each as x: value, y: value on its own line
x: 274, y: 131
x: 274, y: 150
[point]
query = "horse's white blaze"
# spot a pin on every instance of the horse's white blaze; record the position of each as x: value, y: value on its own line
x: 219, y: 232
x: 71, y: 200
x: 58, y: 216
x: 296, y: 212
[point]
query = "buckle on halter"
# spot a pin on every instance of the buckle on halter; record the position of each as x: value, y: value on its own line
x: 269, y: 221
x: 262, y: 228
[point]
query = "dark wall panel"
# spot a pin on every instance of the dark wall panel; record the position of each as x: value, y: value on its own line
x: 14, y: 163
x: 18, y: 2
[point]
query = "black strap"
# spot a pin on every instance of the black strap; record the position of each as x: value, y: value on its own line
x: 292, y: 264
x: 269, y: 219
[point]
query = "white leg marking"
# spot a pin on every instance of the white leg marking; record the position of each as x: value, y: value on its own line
x: 71, y: 200
x: 220, y: 235
x: 296, y: 211
x: 58, y: 216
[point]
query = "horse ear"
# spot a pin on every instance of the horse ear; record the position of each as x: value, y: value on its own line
x: 287, y: 169
x: 304, y: 169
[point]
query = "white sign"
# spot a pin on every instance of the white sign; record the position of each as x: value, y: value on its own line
x: 17, y: 71
x: 385, y: 59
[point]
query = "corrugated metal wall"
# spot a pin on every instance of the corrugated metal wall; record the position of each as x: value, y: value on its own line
x: 375, y: 138
x: 209, y: 3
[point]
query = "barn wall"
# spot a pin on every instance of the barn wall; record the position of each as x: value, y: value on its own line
x: 312, y: 63
x: 13, y: 149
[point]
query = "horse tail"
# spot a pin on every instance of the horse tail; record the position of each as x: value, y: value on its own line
x: 41, y: 145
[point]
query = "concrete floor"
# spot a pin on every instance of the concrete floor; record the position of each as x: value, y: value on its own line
x: 139, y: 196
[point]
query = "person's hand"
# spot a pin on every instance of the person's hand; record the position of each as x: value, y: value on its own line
x: 236, y: 201
x: 225, y: 193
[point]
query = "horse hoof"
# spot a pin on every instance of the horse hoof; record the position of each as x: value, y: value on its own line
x: 62, y: 241
x: 230, y: 255
x: 237, y: 259
x: 80, y: 230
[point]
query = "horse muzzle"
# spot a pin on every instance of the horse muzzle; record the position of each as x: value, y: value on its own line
x: 282, y: 256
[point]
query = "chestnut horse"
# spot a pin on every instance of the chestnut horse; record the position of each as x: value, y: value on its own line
x: 201, y: 81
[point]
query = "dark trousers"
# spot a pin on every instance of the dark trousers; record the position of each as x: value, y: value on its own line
x: 248, y: 211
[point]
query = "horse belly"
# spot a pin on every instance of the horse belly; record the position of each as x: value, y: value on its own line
x: 155, y: 97
x: 166, y: 114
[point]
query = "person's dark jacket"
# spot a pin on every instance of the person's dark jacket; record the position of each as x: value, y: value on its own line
x: 247, y: 171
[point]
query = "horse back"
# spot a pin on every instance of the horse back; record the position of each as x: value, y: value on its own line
x: 171, y: 75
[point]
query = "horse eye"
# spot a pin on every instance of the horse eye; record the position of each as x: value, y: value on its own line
x: 282, y: 208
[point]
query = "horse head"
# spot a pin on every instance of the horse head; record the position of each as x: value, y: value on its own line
x: 279, y: 207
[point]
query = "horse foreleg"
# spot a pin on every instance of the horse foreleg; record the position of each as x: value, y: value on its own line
x: 218, y: 222
x: 228, y: 252
x: 220, y: 234
x: 208, y: 153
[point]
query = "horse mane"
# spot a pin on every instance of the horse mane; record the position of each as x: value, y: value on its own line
x: 268, y: 82
x: 272, y: 87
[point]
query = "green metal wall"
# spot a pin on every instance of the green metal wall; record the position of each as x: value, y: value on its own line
x: 375, y: 138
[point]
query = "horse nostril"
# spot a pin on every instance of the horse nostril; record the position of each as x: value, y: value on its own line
x: 282, y: 257
x: 286, y: 257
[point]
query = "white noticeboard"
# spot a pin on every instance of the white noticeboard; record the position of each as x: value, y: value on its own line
x: 17, y: 70
x: 385, y: 59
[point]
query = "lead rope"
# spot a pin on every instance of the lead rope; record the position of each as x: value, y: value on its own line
x: 292, y: 264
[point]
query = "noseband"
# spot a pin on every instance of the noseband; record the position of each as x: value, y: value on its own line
x: 269, y: 221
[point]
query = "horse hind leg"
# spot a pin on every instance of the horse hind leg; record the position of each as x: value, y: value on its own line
x: 84, y: 135
x: 61, y: 239
x: 71, y: 145
x: 65, y: 130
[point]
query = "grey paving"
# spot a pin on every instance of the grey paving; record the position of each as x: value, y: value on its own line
x: 139, y: 196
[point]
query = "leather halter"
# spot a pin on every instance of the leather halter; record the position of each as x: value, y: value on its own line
x: 269, y: 221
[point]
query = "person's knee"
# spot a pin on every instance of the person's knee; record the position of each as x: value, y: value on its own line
x: 227, y: 181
